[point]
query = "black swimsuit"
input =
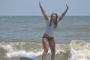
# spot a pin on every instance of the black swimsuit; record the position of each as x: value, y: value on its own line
x: 48, y: 37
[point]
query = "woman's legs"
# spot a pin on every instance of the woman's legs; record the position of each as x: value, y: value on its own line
x: 52, y: 47
x: 45, y: 46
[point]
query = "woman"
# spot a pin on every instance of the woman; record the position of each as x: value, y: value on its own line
x: 48, y: 38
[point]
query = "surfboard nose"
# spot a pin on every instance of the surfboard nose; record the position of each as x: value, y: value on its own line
x: 27, y: 58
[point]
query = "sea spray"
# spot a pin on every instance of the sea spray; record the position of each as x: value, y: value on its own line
x: 80, y: 50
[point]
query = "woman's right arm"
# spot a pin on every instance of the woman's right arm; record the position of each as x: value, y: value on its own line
x: 45, y: 15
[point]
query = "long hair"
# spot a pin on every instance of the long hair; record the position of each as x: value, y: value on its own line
x: 55, y: 22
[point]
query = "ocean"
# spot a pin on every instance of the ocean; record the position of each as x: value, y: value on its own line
x: 22, y: 36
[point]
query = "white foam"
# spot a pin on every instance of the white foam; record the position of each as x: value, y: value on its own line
x: 12, y: 52
x: 79, y: 54
x: 22, y: 53
x: 7, y: 47
x: 61, y: 48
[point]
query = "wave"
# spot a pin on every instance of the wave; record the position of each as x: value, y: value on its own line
x: 15, y: 49
x: 75, y: 50
x: 80, y: 50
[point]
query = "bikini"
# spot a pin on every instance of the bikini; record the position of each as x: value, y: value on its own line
x: 48, y: 37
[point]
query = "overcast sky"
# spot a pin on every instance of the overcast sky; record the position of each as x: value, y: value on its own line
x: 31, y: 7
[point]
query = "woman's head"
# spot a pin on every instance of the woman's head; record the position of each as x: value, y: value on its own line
x: 54, y: 17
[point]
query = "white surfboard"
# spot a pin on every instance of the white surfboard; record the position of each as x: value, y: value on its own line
x: 27, y: 58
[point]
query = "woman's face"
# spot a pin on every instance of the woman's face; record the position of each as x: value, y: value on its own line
x: 53, y: 17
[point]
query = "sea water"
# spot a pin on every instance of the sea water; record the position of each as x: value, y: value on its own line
x: 22, y: 36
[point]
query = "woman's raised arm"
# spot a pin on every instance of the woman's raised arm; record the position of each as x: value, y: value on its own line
x: 45, y: 15
x: 60, y: 18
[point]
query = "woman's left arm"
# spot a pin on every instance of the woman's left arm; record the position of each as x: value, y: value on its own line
x: 60, y: 18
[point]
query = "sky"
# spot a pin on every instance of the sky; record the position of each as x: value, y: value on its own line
x: 31, y: 7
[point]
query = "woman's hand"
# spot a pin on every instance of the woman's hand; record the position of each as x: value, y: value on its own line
x: 67, y: 6
x: 39, y: 2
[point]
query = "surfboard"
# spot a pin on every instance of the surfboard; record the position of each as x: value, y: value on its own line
x: 27, y: 58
